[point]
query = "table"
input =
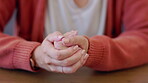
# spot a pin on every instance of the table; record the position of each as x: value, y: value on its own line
x: 84, y: 75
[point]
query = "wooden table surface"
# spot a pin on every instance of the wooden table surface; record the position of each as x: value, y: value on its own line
x: 84, y: 75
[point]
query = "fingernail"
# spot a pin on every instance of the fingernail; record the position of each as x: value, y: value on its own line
x: 75, y: 47
x: 86, y: 56
x: 83, y: 52
x: 60, y: 37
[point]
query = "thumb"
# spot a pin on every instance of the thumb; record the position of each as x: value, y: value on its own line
x: 71, y: 41
x: 81, y: 41
x: 56, y: 36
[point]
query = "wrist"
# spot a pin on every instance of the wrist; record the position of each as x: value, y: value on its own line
x: 33, y: 62
x: 87, y: 43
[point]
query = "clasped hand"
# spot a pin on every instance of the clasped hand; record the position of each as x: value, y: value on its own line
x: 62, y: 53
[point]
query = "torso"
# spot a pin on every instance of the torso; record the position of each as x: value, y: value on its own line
x: 81, y: 3
x: 86, y: 16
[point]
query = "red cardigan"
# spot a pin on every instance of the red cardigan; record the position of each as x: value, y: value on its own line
x: 113, y: 51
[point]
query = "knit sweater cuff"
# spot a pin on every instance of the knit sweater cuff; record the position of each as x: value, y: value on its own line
x: 22, y: 54
x: 96, y: 52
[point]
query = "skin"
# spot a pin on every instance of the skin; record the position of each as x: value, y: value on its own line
x: 81, y: 41
x: 70, y: 39
x: 60, y: 45
x: 73, y: 39
x: 68, y: 60
x: 81, y: 3
x: 62, y: 53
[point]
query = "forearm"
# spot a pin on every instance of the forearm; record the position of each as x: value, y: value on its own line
x: 126, y: 51
x: 15, y: 52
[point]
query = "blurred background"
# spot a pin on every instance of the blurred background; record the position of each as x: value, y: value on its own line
x: 10, y: 25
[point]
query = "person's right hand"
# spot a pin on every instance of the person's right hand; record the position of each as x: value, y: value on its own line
x: 59, y: 44
x: 63, y: 61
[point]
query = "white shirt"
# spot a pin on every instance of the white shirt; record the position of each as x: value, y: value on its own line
x: 65, y: 15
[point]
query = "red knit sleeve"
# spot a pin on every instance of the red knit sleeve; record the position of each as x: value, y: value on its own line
x: 14, y: 52
x: 130, y: 49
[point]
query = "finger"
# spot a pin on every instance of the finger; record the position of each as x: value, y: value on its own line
x: 65, y: 53
x: 54, y: 68
x: 71, y: 33
x: 76, y: 40
x: 76, y: 66
x: 49, y: 40
x: 59, y: 45
x: 47, y: 46
x: 69, y: 61
x: 85, y: 59
x: 45, y: 63
x: 59, y: 54
x: 56, y: 36
x: 60, y: 69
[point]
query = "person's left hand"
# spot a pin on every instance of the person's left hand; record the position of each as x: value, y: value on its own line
x: 81, y: 41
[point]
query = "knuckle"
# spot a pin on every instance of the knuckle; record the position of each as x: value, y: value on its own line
x: 47, y: 61
x: 44, y: 50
